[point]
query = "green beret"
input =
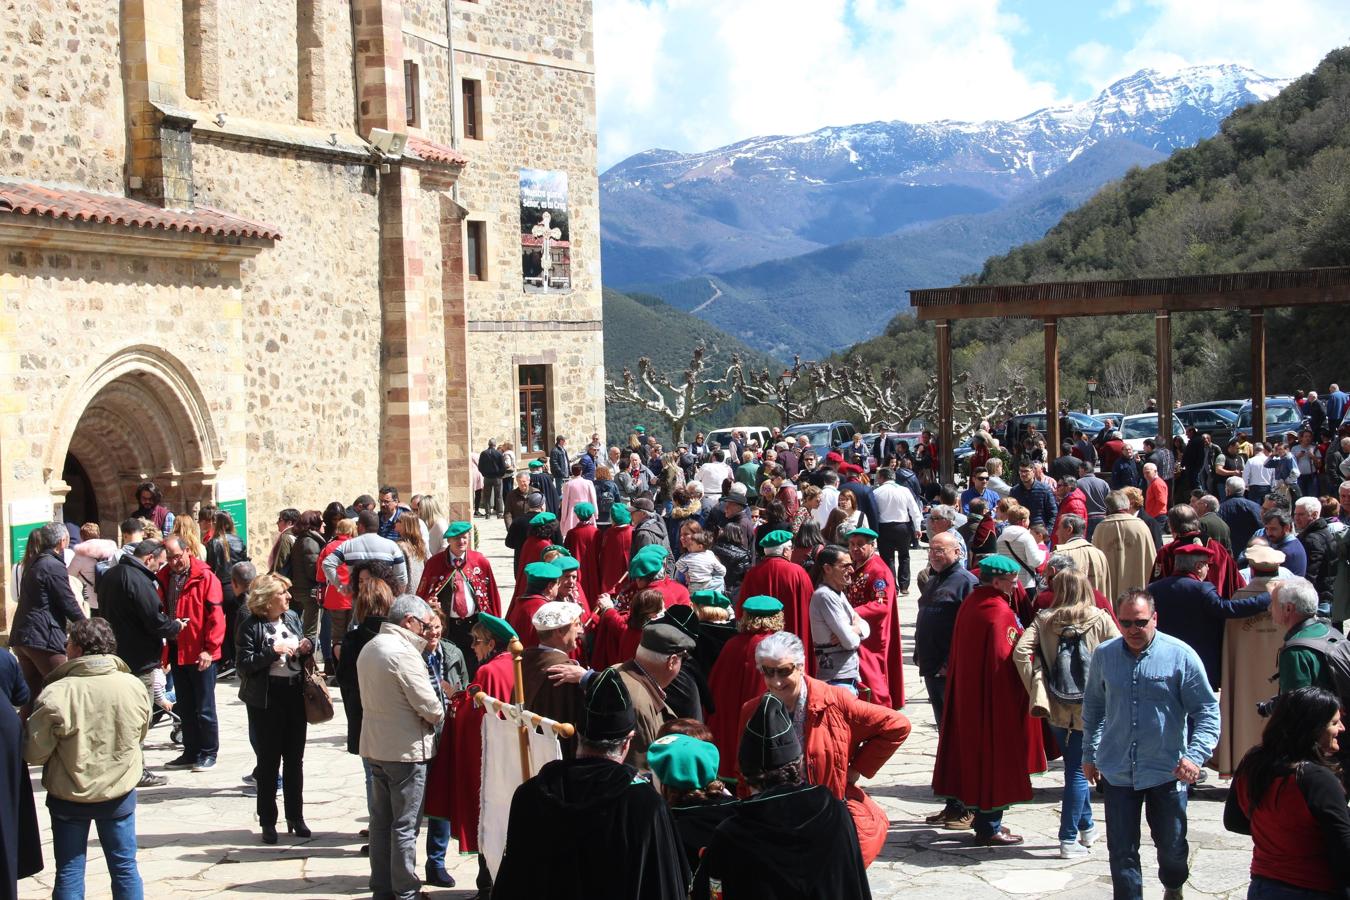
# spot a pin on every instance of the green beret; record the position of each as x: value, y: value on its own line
x: 711, y: 598
x: 1000, y: 564
x: 542, y: 571
x: 660, y: 551
x: 566, y: 564
x: 863, y: 533
x: 559, y: 547
x: 584, y: 510
x: 644, y: 565
x: 498, y: 628
x: 619, y: 514
x: 544, y: 518
x: 777, y: 538
x: 536, y: 464
x: 639, y: 429
x: 683, y: 762
x: 457, y: 528
x: 761, y: 605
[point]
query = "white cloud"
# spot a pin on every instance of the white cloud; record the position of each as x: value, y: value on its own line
x: 694, y: 74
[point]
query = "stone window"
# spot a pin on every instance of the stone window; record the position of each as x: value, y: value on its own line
x: 411, y: 94
x: 534, y: 428
x: 471, y: 91
x: 475, y: 250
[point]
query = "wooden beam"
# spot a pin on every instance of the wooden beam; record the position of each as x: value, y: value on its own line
x: 946, y: 460
x: 1051, y: 389
x: 1163, y: 324
x: 1143, y: 304
x: 1258, y: 323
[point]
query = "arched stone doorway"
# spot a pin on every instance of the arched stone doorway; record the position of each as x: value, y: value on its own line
x: 140, y: 416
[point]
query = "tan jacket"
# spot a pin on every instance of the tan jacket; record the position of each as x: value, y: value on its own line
x: 1091, y: 563
x: 86, y: 730
x: 1027, y: 655
x: 401, y: 709
x: 649, y: 707
x: 1128, y: 546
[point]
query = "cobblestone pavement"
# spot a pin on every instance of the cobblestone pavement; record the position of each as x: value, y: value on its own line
x: 199, y: 837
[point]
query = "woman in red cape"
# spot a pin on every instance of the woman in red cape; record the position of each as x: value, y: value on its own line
x: 455, y: 779
x: 620, y: 628
x: 543, y: 528
x: 735, y: 677
x: 583, y: 542
x: 881, y: 666
x: 778, y: 577
x: 989, y: 745
x: 616, y: 545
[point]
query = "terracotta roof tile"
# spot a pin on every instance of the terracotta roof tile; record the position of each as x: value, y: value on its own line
x: 434, y: 152
x: 21, y: 198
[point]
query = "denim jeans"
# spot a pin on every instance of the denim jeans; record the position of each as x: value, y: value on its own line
x: 70, y: 844
x: 936, y: 686
x: 197, y: 708
x: 848, y: 684
x: 987, y: 824
x: 438, y: 840
x: 397, y: 790
x: 1267, y: 889
x: 1165, y: 807
x: 1075, y: 812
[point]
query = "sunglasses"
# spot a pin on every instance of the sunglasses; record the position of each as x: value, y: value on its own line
x: 777, y: 671
x: 1135, y: 623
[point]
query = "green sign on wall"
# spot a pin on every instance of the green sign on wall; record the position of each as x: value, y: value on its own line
x: 238, y: 510
x: 18, y: 539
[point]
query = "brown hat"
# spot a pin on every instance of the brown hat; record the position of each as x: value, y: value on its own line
x: 1264, y: 557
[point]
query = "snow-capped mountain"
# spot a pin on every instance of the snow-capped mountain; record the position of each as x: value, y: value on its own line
x: 667, y: 215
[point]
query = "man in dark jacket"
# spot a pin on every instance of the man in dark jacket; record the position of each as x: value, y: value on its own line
x: 492, y: 466
x: 1035, y: 496
x: 559, y: 464
x: 939, y: 599
x: 1242, y: 516
x: 1320, y: 547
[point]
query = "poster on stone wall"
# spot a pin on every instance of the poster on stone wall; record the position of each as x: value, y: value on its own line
x: 545, y: 245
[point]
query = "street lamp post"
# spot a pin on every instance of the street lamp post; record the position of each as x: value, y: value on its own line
x: 1092, y: 394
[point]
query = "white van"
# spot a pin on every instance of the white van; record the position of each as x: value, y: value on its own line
x: 751, y: 432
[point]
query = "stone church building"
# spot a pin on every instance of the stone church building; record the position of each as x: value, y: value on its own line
x: 274, y: 253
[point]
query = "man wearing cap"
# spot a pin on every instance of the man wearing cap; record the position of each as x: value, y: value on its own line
x: 649, y: 529
x: 735, y: 678
x: 647, y: 571
x: 716, y: 625
x: 989, y: 745
x: 616, y: 548
x: 871, y: 592
x: 734, y: 509
x: 1246, y: 641
x: 558, y: 626
x: 1185, y: 527
x: 583, y: 542
x: 1191, y: 610
x: 541, y: 483
x: 777, y: 576
x: 589, y: 827
x: 460, y: 582
x: 541, y: 586
x: 569, y: 586
x: 658, y: 659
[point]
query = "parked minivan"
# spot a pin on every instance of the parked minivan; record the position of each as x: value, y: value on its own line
x: 751, y: 432
x: 823, y: 436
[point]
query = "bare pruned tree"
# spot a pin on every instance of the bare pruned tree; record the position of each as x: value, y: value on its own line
x: 795, y: 394
x: 692, y: 393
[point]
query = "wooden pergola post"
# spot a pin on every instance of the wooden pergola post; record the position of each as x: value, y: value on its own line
x: 946, y: 459
x: 1163, y: 322
x: 1258, y: 320
x: 1052, y: 435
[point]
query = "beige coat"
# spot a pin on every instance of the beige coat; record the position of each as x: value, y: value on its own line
x: 86, y: 730
x: 1127, y: 544
x: 1091, y: 563
x: 402, y: 711
x: 1250, y: 649
x: 649, y: 707
x: 1039, y: 642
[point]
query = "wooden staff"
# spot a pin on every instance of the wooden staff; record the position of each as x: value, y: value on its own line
x: 517, y: 653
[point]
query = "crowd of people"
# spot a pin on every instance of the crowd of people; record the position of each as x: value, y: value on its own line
x: 721, y: 625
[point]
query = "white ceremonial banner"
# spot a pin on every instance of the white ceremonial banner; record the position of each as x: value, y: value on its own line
x: 501, y: 776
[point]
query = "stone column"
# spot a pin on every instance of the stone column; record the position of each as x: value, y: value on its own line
x: 159, y: 131
x: 455, y: 315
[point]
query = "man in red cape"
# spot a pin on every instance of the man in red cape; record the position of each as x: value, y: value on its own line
x: 872, y: 593
x: 777, y: 576
x: 583, y: 542
x: 614, y: 640
x: 459, y: 582
x: 1185, y: 527
x: 541, y: 586
x: 616, y: 543
x: 736, y: 679
x: 534, y: 546
x: 989, y: 745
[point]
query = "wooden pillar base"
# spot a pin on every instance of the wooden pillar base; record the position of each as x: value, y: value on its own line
x: 1052, y: 435
x: 946, y: 460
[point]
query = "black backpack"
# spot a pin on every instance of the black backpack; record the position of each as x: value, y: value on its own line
x: 1066, y: 672
x: 1334, y: 649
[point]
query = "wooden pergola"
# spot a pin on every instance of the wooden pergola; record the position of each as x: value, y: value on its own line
x: 1253, y: 291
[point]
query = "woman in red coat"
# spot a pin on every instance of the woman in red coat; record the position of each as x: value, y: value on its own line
x: 615, y: 549
x: 543, y: 528
x: 583, y: 542
x: 735, y: 678
x: 620, y: 629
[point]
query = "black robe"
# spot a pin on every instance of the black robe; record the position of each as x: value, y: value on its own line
x: 788, y: 843
x: 20, y: 847
x: 590, y: 829
x: 695, y: 824
x: 544, y: 485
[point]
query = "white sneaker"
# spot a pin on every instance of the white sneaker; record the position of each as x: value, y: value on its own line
x: 1072, y: 850
x: 1089, y: 837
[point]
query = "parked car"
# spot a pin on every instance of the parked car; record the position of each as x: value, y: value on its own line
x: 1134, y: 430
x: 1213, y: 419
x: 1015, y: 428
x: 1282, y: 416
x: 752, y: 433
x: 823, y: 436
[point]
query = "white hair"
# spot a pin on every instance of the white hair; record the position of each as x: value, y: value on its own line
x: 781, y: 645
x: 945, y: 513
x: 780, y: 550
x: 1234, y: 485
x: 1150, y: 469
x: 1298, y: 593
x: 408, y: 605
x: 694, y: 488
x: 1311, y: 505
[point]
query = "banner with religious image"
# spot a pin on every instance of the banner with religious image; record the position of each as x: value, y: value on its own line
x: 545, y: 244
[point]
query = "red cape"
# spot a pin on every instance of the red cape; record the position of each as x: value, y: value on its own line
x: 734, y: 680
x: 530, y: 553
x: 988, y: 746
x: 583, y: 542
x: 1075, y: 504
x: 672, y: 592
x: 437, y: 572
x: 789, y: 584
x: 520, y: 617
x: 454, y: 788
x: 607, y: 648
x: 616, y: 543
x: 1223, y: 572
x: 881, y: 665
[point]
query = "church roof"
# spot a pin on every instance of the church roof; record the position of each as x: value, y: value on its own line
x: 27, y: 199
x: 434, y: 152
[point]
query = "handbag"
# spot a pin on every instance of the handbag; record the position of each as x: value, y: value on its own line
x: 318, y: 705
x: 1037, y: 581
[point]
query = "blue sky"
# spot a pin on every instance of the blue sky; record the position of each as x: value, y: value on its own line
x: 693, y: 74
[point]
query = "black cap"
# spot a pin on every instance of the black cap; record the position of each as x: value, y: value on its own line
x: 666, y: 638
x: 769, y: 741
x: 608, y: 712
x: 684, y: 618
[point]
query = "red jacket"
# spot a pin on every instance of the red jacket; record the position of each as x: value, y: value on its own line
x: 199, y: 603
x: 1074, y: 504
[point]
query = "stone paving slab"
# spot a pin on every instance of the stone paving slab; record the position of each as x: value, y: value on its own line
x: 199, y: 837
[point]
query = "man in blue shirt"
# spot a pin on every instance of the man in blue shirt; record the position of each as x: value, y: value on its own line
x: 979, y: 487
x: 1280, y: 533
x: 1242, y: 516
x: 1142, y: 688
x: 1336, y: 407
x: 1035, y: 496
